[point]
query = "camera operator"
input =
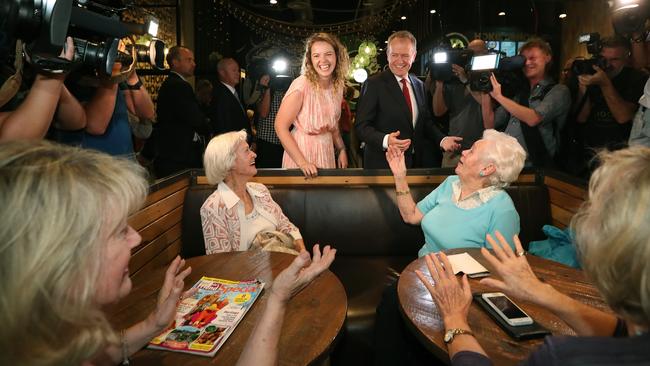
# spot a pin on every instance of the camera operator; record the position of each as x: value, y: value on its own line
x: 607, y: 100
x: 464, y: 107
x: 106, y: 108
x: 47, y: 98
x: 269, y: 147
x: 536, y: 115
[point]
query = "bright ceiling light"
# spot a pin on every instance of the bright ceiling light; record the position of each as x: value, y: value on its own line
x: 432, y: 11
x: 273, y: 2
x: 403, y: 17
x: 360, y: 75
x: 502, y: 13
x: 562, y: 16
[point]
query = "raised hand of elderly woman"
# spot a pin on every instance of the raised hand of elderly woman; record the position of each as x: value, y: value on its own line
x: 452, y: 297
x: 301, y: 272
x: 170, y: 293
x: 517, y: 278
x: 395, y: 158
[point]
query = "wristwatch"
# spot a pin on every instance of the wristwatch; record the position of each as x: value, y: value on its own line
x: 135, y: 86
x: 451, y: 333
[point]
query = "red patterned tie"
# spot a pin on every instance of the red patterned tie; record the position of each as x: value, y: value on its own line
x: 407, y: 95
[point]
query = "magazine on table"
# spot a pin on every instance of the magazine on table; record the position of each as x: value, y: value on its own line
x: 204, y: 321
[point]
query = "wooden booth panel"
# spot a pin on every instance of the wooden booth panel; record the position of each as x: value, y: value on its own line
x: 377, y: 180
x: 565, y: 199
x: 159, y: 225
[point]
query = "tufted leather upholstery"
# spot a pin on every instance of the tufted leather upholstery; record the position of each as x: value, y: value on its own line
x: 373, y: 243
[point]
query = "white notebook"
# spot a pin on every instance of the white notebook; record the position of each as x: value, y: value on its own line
x: 467, y: 264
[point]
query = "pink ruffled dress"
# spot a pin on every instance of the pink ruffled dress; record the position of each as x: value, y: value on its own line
x: 315, y: 123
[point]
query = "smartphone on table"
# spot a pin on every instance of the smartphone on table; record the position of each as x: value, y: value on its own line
x: 506, y: 309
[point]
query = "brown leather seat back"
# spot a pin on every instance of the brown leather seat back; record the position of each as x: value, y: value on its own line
x: 359, y: 221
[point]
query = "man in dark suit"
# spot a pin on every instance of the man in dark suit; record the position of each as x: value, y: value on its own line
x: 393, y: 111
x: 226, y: 111
x: 179, y: 136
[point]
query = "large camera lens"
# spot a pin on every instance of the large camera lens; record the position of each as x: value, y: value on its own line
x: 99, y: 57
x: 154, y: 54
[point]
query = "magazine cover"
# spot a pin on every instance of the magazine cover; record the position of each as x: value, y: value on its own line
x: 204, y: 321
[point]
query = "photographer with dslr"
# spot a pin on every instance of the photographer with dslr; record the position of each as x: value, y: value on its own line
x: 464, y: 107
x: 536, y: 115
x: 46, y: 99
x: 608, y: 99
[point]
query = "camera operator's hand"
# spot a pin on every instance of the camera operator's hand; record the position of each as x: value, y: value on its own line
x: 68, y: 49
x: 496, y: 88
x: 265, y: 80
x: 600, y: 78
x: 460, y: 73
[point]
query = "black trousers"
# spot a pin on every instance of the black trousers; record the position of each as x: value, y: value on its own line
x: 395, y: 343
x: 269, y: 155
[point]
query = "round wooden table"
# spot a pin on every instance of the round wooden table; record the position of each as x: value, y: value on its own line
x: 422, y: 317
x: 312, y: 323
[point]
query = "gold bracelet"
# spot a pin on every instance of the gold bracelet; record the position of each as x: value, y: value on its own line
x: 402, y: 193
x: 125, y: 349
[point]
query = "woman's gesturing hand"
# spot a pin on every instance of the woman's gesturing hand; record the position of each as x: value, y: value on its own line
x: 452, y: 296
x: 301, y: 272
x: 171, y: 293
x: 517, y: 278
x: 395, y: 158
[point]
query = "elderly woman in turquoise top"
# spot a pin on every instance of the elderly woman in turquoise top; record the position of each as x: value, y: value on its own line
x: 466, y: 207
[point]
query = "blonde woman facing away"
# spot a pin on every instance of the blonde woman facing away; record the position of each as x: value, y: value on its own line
x: 313, y: 106
x: 65, y: 246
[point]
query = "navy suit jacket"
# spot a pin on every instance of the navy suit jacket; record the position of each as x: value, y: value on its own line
x: 179, y: 118
x: 225, y: 112
x: 382, y: 109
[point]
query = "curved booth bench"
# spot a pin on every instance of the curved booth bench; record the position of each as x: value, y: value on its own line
x: 354, y: 211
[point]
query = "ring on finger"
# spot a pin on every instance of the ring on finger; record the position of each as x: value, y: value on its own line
x: 521, y: 254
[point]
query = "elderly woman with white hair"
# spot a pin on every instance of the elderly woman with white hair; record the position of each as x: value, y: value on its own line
x: 613, y: 241
x: 464, y: 208
x: 238, y: 209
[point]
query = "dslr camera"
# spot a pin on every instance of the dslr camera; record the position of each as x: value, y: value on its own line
x: 440, y: 68
x: 507, y: 70
x: 94, y: 25
x: 586, y: 66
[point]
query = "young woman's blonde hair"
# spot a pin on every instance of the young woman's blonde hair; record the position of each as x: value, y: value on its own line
x: 342, y: 60
x: 613, y: 232
x: 59, y: 205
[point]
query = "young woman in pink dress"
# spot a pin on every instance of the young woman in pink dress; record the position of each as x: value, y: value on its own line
x: 313, y: 106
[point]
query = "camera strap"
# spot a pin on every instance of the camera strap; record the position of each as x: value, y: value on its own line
x: 11, y: 86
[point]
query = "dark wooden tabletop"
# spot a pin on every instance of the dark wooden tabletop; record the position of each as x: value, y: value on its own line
x: 313, y: 320
x: 420, y: 312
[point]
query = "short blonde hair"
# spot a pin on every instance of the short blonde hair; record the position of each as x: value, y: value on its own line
x: 507, y: 156
x: 342, y: 60
x: 613, y: 232
x: 220, y: 155
x: 58, y: 204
